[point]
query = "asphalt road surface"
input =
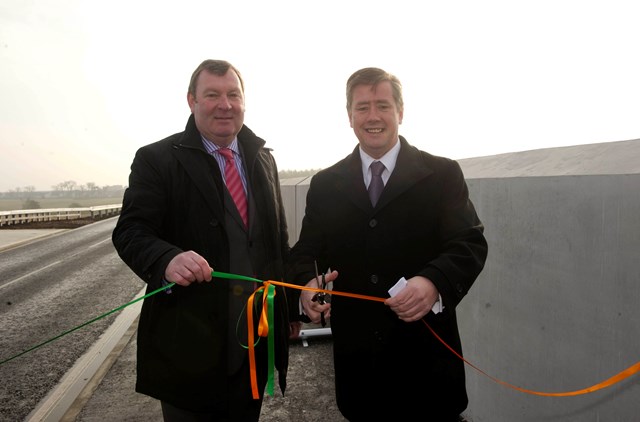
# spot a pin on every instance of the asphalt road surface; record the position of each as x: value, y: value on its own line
x: 47, y: 288
x: 52, y: 285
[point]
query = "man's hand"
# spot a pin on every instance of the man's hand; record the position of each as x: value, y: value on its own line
x: 186, y: 268
x: 295, y: 328
x: 313, y: 309
x: 415, y: 300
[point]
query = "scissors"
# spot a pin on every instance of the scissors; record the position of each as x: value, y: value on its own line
x: 320, y: 297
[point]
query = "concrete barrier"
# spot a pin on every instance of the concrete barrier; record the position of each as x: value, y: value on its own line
x: 556, y: 308
x: 8, y: 218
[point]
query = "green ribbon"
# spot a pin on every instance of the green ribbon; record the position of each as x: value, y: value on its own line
x: 218, y: 274
x: 86, y: 323
x: 270, y: 292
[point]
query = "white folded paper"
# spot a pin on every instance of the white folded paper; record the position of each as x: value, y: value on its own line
x: 402, y: 283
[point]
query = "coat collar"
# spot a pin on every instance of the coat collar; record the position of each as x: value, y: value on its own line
x: 411, y: 167
x: 202, y: 168
x: 249, y: 142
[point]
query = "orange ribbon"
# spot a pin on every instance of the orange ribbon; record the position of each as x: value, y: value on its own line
x: 266, y: 315
x: 630, y: 371
x: 633, y: 369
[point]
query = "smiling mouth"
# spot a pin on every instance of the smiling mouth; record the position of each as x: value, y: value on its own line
x: 378, y: 130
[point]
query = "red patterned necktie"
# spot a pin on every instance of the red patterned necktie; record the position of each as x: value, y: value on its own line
x: 234, y: 184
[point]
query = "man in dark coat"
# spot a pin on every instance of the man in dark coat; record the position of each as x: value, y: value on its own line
x: 422, y: 233
x: 178, y: 223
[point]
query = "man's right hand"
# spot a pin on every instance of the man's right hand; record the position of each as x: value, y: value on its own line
x: 313, y: 308
x: 186, y: 268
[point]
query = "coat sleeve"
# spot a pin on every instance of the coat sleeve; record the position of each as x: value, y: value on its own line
x: 137, y: 236
x: 464, y: 247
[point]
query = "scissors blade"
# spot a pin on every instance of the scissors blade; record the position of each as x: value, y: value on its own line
x: 315, y: 263
x: 320, y: 295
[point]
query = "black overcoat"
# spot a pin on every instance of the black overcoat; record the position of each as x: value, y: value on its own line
x: 174, y: 203
x: 424, y: 224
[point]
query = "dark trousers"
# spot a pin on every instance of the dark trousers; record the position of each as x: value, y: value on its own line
x: 240, y: 406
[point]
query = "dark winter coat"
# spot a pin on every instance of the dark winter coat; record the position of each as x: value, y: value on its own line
x: 174, y: 203
x: 423, y: 224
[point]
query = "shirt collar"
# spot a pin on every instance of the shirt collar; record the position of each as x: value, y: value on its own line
x: 388, y: 159
x: 211, y: 147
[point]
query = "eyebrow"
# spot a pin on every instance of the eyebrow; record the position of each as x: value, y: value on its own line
x: 377, y: 102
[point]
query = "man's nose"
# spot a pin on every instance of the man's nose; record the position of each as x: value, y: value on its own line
x: 373, y: 114
x: 224, y: 103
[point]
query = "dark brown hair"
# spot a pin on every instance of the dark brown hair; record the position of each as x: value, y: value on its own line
x: 215, y: 67
x: 373, y: 76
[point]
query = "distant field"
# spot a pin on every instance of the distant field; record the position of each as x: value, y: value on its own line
x: 16, y: 204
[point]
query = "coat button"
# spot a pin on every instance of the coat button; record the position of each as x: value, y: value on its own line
x: 374, y: 279
x: 373, y: 222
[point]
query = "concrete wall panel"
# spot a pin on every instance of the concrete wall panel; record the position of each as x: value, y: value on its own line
x: 557, y: 307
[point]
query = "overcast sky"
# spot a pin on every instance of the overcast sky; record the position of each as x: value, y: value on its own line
x: 84, y: 84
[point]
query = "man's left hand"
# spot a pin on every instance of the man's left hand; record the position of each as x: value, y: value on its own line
x: 415, y: 300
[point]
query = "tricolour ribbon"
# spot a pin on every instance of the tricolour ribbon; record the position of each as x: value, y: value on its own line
x: 265, y: 329
x: 632, y: 370
x: 266, y: 321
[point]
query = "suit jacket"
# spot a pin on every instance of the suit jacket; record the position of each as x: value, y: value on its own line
x: 176, y: 202
x: 423, y: 224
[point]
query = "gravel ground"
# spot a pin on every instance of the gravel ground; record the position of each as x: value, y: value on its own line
x: 309, y: 396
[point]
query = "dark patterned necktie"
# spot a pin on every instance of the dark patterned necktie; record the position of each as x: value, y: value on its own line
x: 234, y: 184
x: 376, y: 185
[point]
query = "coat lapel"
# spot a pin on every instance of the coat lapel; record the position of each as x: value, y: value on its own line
x: 350, y: 182
x: 206, y: 175
x: 201, y: 168
x: 410, y: 169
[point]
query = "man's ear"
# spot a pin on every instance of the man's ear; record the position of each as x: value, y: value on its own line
x: 191, y: 100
